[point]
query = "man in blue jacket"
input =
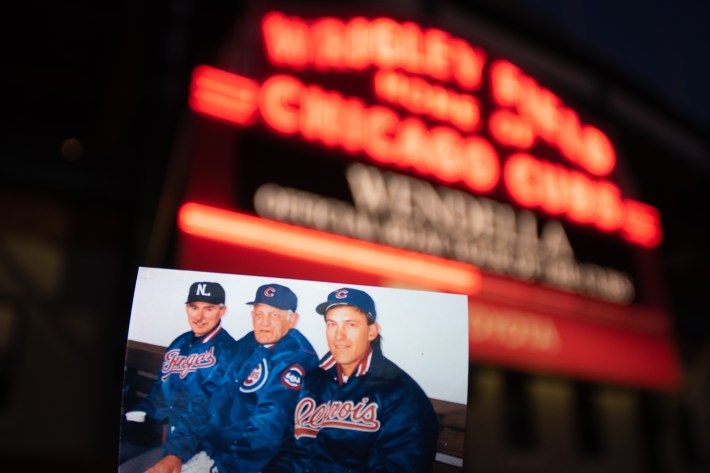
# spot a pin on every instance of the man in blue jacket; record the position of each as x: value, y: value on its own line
x: 251, y: 413
x: 192, y: 365
x: 358, y: 412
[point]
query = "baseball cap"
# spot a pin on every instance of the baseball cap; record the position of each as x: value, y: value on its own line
x: 349, y: 296
x: 277, y: 296
x: 211, y: 292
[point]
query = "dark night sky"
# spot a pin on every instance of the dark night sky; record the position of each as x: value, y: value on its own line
x: 659, y: 43
x: 660, y: 46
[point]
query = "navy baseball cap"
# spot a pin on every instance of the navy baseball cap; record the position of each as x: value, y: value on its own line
x: 277, y: 296
x: 211, y: 292
x: 349, y: 296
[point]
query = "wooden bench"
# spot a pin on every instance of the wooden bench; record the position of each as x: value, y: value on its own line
x: 143, y: 362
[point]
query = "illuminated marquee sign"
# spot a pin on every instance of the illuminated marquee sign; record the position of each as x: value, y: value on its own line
x: 439, y: 108
x: 404, y: 155
x: 430, y: 76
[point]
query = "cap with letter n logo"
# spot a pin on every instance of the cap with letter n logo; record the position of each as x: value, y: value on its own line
x: 210, y: 292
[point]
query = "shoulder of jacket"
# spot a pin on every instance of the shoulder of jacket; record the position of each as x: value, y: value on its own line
x: 180, y: 340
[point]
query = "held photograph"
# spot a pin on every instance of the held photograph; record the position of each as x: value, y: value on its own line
x: 236, y: 373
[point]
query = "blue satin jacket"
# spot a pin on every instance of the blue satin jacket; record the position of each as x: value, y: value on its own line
x: 251, y: 411
x: 378, y: 420
x: 192, y: 366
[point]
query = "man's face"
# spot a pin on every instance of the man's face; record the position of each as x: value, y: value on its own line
x: 270, y: 323
x: 348, y: 335
x: 203, y: 316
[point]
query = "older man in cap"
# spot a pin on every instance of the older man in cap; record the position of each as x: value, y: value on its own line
x: 191, y: 365
x: 359, y: 412
x: 251, y: 412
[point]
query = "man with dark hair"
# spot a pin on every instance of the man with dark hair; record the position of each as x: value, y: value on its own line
x: 249, y: 415
x: 358, y: 412
x: 192, y: 364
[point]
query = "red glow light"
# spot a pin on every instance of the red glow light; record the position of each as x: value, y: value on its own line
x: 418, y: 96
x: 581, y: 144
x: 290, y: 107
x: 224, y: 95
x: 642, y: 225
x: 534, y: 183
x: 334, y: 44
x: 323, y: 248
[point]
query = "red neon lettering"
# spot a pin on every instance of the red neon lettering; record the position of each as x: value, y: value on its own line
x: 412, y: 40
x: 321, y: 113
x: 505, y: 83
x: 331, y: 43
x: 436, y: 44
x: 418, y: 96
x: 522, y: 175
x: 465, y: 113
x: 289, y: 107
x: 357, y: 53
x: 581, y: 199
x: 611, y: 212
x: 444, y: 159
x: 286, y: 40
x: 224, y: 95
x: 600, y: 157
x: 385, y: 45
x: 556, y: 124
x: 510, y: 129
x: 570, y: 135
x: 279, y: 103
x: 481, y: 170
x: 329, y: 33
x: 556, y: 182
x: 642, y: 225
x: 412, y: 145
x: 468, y: 68
x: 380, y: 127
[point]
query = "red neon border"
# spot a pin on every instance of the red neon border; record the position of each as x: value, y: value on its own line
x: 323, y: 248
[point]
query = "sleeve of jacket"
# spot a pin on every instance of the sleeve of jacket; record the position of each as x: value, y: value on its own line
x: 154, y: 405
x: 407, y: 439
x: 270, y: 424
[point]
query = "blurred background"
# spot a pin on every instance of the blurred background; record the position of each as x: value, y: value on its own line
x: 597, y: 359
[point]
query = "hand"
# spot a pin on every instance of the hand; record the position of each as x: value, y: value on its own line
x: 169, y: 464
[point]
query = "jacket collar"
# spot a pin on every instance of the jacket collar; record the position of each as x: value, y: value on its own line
x: 209, y: 335
x: 363, y: 367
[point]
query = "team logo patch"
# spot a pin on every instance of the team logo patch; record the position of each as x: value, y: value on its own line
x: 175, y: 363
x: 341, y: 294
x: 256, y: 379
x: 292, y: 377
x: 269, y: 292
x: 310, y: 417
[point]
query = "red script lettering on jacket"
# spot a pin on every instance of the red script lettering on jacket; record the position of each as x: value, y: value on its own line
x: 184, y: 365
x: 311, y: 417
